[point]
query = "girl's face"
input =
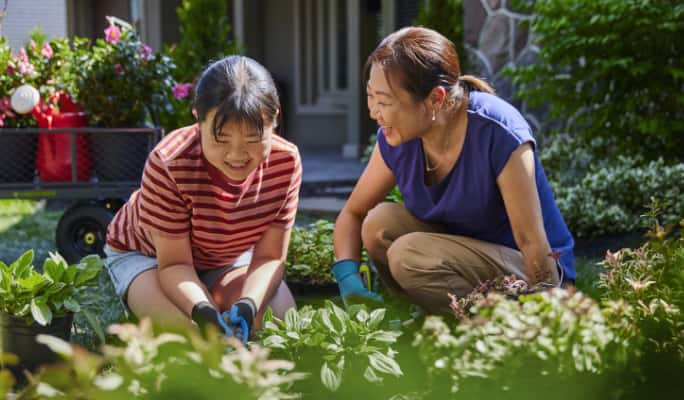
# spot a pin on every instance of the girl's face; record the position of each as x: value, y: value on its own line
x: 238, y: 150
x: 398, y: 114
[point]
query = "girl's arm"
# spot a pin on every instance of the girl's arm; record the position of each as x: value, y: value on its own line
x: 519, y: 191
x: 265, y: 272
x: 177, y: 276
x: 372, y: 187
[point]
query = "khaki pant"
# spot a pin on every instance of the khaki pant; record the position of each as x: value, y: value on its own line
x: 425, y: 263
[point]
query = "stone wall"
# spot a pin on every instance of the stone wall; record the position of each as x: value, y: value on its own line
x: 497, y: 35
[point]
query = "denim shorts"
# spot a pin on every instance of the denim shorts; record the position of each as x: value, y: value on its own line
x: 123, y: 268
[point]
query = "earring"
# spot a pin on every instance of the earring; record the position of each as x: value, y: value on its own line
x: 433, y: 114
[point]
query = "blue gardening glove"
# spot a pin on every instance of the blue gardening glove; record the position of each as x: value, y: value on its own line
x: 204, y: 314
x: 241, y: 318
x: 351, y: 286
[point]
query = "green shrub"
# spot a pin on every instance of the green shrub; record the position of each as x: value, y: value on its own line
x: 154, y: 365
x: 26, y: 293
x: 610, y: 199
x: 311, y: 254
x: 611, y: 70
x: 446, y: 17
x: 205, y: 37
x: 345, y: 346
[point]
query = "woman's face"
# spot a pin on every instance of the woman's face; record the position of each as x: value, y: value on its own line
x: 398, y: 114
x: 238, y: 150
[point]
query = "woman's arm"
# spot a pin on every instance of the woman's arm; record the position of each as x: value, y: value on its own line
x: 265, y: 272
x: 177, y: 276
x: 518, y: 188
x: 372, y: 187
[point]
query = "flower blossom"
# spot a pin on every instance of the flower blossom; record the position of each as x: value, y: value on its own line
x: 145, y: 52
x: 181, y: 90
x: 46, y: 51
x: 118, y: 69
x: 112, y: 34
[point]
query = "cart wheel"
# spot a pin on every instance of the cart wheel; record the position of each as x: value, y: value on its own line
x: 82, y: 230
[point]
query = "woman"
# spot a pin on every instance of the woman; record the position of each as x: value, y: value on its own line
x: 209, y: 228
x: 477, y: 202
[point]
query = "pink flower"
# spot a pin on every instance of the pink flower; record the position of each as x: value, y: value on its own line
x: 23, y: 57
x: 26, y: 68
x: 5, y: 104
x: 145, y: 52
x: 33, y: 45
x: 118, y: 69
x: 2, y: 120
x: 9, y: 70
x: 46, y: 51
x: 181, y: 90
x: 112, y: 34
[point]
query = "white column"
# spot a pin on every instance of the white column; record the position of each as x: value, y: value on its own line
x: 351, y: 147
x: 239, y: 22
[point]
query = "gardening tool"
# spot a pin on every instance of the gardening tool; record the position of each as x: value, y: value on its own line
x: 55, y: 157
x: 365, y: 272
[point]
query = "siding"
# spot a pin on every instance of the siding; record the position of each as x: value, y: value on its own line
x: 24, y: 15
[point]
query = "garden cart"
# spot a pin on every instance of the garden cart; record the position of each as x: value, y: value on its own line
x: 95, y: 168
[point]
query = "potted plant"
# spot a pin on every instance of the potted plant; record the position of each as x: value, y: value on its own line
x: 33, y: 303
x: 123, y: 85
x: 50, y: 68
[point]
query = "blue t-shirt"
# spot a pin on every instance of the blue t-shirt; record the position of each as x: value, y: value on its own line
x: 468, y: 201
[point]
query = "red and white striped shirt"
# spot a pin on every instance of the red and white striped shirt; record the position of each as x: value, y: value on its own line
x: 182, y: 194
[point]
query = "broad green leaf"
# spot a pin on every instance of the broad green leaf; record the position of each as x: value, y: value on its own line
x: 72, y: 305
x: 275, y: 341
x: 85, y: 276
x: 53, y: 270
x: 54, y: 288
x: 32, y: 283
x: 325, y: 319
x: 331, y: 380
x: 40, y: 311
x: 383, y: 336
x: 23, y: 265
x: 384, y: 364
x: 70, y: 274
x: 268, y: 314
x: 370, y: 375
x: 376, y: 317
x: 291, y: 317
x: 362, y: 315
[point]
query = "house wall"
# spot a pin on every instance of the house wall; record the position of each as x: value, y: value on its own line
x: 24, y: 15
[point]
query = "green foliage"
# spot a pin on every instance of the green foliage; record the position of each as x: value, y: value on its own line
x: 205, y: 37
x: 644, y: 289
x: 541, y: 337
x: 609, y: 199
x: 311, y: 254
x: 345, y: 346
x: 39, y: 297
x: 122, y: 84
x: 162, y: 366
x: 446, y: 17
x: 613, y: 71
x: 51, y: 67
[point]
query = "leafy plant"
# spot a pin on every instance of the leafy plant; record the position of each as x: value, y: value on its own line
x: 609, y: 199
x: 613, y: 71
x: 41, y: 296
x: 205, y: 37
x: 123, y: 74
x: 446, y: 17
x: 161, y: 366
x: 311, y: 253
x: 50, y: 66
x: 344, y: 346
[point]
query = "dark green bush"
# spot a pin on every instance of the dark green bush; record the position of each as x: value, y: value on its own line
x: 610, y: 199
x: 205, y: 37
x: 613, y: 71
x: 446, y: 17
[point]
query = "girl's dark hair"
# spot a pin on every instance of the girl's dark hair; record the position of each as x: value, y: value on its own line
x: 241, y: 90
x: 420, y: 59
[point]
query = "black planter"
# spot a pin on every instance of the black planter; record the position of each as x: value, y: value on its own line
x: 119, y: 156
x: 19, y: 338
x: 19, y: 156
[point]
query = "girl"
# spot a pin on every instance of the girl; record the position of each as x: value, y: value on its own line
x: 209, y: 227
x: 477, y: 202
